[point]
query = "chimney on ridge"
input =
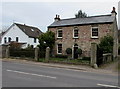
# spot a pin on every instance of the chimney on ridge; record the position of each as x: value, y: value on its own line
x: 57, y: 18
x: 113, y: 13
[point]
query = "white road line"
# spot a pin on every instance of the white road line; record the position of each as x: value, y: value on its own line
x: 31, y: 74
x: 104, y: 85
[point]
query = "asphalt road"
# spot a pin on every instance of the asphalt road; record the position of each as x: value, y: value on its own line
x: 15, y: 74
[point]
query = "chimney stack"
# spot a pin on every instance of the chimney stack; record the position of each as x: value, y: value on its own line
x: 57, y: 18
x: 113, y: 13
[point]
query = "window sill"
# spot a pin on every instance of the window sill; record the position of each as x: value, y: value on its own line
x: 59, y: 37
x: 75, y: 37
x: 59, y: 53
x: 94, y: 37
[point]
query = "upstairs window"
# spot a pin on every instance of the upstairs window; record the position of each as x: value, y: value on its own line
x: 9, y: 39
x: 94, y: 32
x: 5, y: 40
x: 17, y: 39
x: 59, y: 33
x: 59, y: 49
x: 75, y: 32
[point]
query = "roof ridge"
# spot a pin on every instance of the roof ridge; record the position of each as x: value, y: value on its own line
x: 87, y: 17
x: 26, y: 25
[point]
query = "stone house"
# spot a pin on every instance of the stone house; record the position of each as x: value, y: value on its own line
x: 81, y: 32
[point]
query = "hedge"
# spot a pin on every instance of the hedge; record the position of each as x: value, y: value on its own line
x: 61, y: 56
x: 22, y: 53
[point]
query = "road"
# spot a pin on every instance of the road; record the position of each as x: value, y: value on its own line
x: 16, y: 74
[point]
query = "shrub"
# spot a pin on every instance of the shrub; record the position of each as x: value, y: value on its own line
x: 60, y: 56
x: 15, y: 45
x: 69, y: 51
x: 79, y: 51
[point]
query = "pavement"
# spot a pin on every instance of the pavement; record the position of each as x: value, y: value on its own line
x: 67, y: 66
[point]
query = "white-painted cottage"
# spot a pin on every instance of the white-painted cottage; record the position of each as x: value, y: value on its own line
x: 23, y: 34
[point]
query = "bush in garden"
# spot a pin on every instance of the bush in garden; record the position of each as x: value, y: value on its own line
x: 69, y: 51
x: 79, y: 51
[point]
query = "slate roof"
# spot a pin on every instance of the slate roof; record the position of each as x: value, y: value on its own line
x: 29, y: 30
x: 83, y: 21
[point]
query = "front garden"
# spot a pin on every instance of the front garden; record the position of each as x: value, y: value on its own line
x: 84, y: 60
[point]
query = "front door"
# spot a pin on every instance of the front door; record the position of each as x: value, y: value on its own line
x: 75, y: 51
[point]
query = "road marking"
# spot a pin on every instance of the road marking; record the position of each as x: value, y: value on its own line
x: 31, y: 74
x: 104, y: 85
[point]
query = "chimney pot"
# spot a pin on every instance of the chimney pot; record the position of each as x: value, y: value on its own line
x: 113, y: 8
x: 56, y: 16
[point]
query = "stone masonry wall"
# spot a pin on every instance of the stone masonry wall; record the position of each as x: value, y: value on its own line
x: 84, y: 41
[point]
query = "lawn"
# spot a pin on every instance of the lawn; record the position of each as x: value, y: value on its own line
x: 65, y: 60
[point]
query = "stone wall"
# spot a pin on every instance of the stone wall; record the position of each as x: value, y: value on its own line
x: 3, y: 51
x: 84, y: 40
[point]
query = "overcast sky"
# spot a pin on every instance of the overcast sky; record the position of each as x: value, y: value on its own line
x: 41, y: 14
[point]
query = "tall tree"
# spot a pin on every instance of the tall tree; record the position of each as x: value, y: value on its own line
x: 80, y: 14
x: 106, y: 44
x: 47, y: 40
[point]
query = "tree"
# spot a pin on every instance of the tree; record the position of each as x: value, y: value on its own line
x: 46, y: 40
x: 106, y: 44
x: 80, y: 14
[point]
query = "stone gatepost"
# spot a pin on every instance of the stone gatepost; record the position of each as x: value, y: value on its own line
x: 94, y: 55
x: 36, y: 53
x: 7, y: 52
x: 47, y: 56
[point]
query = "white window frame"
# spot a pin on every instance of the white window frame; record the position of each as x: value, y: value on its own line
x: 74, y: 33
x: 91, y: 32
x: 58, y: 31
x: 57, y: 48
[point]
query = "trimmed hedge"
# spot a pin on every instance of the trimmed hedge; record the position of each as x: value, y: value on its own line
x: 61, y: 56
x: 22, y: 53
x: 86, y: 58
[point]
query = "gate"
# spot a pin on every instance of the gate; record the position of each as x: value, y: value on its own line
x: 99, y: 56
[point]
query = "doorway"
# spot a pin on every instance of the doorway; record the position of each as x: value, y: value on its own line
x: 75, y: 51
